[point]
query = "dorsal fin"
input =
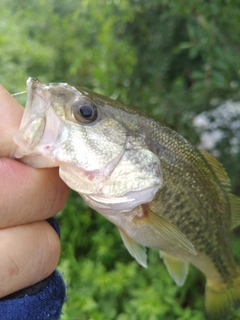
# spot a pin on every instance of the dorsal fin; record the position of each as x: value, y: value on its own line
x: 235, y: 210
x: 218, y: 170
x: 225, y: 182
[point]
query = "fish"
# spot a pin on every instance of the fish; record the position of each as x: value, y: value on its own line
x: 160, y: 191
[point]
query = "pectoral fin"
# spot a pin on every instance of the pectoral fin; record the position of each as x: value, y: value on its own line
x: 170, y: 232
x: 135, y: 249
x: 178, y: 269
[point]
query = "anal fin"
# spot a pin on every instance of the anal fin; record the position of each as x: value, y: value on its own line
x: 178, y: 269
x: 135, y: 249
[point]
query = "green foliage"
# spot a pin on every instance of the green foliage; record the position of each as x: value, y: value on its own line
x: 173, y: 59
x: 188, y: 56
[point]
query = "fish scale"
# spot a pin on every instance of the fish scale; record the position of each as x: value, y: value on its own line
x: 201, y: 240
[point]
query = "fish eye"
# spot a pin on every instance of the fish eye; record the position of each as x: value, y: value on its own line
x: 84, y: 110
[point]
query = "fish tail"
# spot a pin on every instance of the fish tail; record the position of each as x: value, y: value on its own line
x: 221, y: 298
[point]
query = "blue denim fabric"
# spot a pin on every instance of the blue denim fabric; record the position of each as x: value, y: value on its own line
x: 42, y: 301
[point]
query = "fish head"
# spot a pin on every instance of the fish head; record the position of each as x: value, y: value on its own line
x: 81, y: 133
x: 63, y: 124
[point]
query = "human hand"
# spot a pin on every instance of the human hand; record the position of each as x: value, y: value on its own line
x: 29, y: 246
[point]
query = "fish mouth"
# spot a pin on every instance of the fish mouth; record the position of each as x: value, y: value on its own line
x: 33, y: 121
x: 37, y: 100
x: 36, y: 133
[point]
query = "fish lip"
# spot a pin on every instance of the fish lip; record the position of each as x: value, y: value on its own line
x: 34, y: 84
x: 35, y: 87
x: 31, y: 80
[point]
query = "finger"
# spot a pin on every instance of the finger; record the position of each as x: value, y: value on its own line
x: 10, y: 117
x: 28, y: 254
x: 28, y: 194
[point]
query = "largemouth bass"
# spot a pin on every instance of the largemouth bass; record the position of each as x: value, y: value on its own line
x: 159, y: 190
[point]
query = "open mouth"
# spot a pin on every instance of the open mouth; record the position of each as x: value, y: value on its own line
x: 40, y: 125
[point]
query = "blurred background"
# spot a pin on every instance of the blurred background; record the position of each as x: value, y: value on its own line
x: 178, y: 61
